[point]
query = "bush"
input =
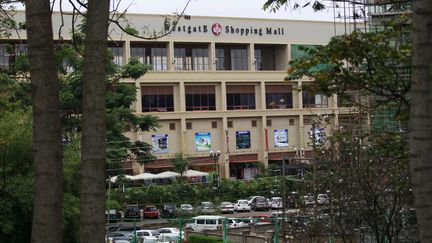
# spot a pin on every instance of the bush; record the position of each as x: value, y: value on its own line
x: 204, y: 239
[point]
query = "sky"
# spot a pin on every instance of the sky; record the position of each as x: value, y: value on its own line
x: 223, y: 8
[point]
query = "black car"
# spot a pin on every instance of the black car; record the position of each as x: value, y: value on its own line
x: 132, y: 211
x: 112, y: 215
x: 168, y: 210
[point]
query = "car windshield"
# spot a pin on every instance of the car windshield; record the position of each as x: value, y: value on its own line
x: 170, y: 206
x: 261, y: 200
x: 243, y: 202
x: 277, y: 200
x: 186, y: 206
x: 224, y: 204
x: 207, y: 205
x: 150, y: 209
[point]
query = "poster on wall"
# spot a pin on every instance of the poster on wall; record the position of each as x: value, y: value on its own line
x: 160, y: 143
x: 202, y: 141
x: 243, y: 140
x: 281, y: 138
x: 319, y: 135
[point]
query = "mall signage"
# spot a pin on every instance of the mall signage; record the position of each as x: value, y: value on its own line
x: 217, y: 29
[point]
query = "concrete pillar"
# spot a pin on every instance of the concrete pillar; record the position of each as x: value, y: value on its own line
x: 300, y: 95
x: 182, y: 98
x: 245, y: 233
x: 223, y: 96
x: 183, y: 145
x: 170, y: 56
x: 251, y: 56
x: 212, y: 56
x: 126, y: 54
x: 138, y: 103
x: 269, y: 234
x: 263, y: 152
x: 224, y: 157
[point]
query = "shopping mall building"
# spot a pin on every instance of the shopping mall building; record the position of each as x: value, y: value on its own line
x: 217, y: 85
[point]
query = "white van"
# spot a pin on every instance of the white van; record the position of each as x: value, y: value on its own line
x: 205, y: 222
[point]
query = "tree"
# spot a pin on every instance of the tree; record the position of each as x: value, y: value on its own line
x: 47, y: 149
x: 93, y: 150
x: 421, y: 118
x: 181, y: 164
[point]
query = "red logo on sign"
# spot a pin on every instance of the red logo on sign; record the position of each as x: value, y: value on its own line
x: 216, y: 29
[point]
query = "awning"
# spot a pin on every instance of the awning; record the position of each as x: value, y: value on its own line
x: 194, y: 173
x: 143, y: 176
x: 243, y: 158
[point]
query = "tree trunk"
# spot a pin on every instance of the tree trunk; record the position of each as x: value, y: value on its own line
x: 47, y: 142
x: 421, y: 117
x: 93, y: 149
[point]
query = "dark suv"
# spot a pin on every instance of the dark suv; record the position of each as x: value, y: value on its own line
x: 260, y: 203
x: 168, y: 210
x: 132, y: 211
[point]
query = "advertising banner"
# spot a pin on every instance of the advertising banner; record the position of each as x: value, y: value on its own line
x: 243, y: 140
x: 160, y: 143
x: 202, y: 141
x: 281, y: 138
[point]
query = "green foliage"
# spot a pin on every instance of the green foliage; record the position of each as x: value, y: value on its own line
x: 131, y: 31
x: 134, y: 69
x: 204, y: 239
x: 366, y: 62
x: 180, y: 163
x: 16, y: 182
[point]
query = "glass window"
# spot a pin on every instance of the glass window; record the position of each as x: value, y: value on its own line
x: 231, y: 57
x: 157, y: 99
x: 200, y: 98
x: 117, y: 52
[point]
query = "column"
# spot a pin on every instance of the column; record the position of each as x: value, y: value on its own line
x: 251, y: 56
x: 300, y: 95
x: 182, y: 98
x: 170, y: 56
x: 212, y: 56
x: 127, y: 51
x: 184, y: 144
x: 262, y: 100
x: 263, y: 153
x: 223, y: 96
x: 224, y: 157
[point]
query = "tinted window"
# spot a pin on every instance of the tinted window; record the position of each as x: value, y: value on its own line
x: 200, y: 221
x: 211, y: 221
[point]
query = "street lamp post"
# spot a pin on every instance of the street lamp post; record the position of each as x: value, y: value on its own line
x: 215, y: 156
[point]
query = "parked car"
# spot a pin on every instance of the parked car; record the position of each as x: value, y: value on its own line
x: 205, y: 222
x: 261, y: 219
x: 308, y: 200
x: 112, y: 215
x: 171, y: 231
x: 151, y: 212
x: 236, y: 223
x: 168, y: 238
x: 120, y: 235
x: 242, y: 205
x: 132, y: 211
x: 186, y: 208
x: 207, y: 207
x: 148, y: 236
x: 260, y: 203
x: 251, y: 200
x: 226, y: 207
x: 323, y: 199
x: 168, y: 210
x: 276, y: 202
